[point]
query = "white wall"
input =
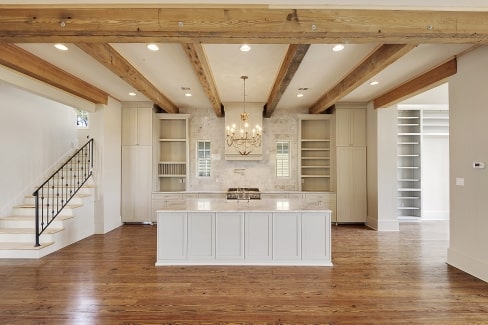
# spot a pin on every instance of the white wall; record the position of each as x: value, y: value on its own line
x: 382, y: 169
x: 468, y: 97
x: 105, y: 127
x: 36, y: 134
x: 435, y: 177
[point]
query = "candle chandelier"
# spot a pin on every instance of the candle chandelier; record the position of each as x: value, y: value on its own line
x: 243, y: 138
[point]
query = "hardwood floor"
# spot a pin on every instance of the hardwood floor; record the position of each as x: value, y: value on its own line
x: 377, y: 278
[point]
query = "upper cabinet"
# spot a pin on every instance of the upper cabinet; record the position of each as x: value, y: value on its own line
x: 137, y: 126
x: 171, y: 152
x: 317, y: 152
x: 351, y: 127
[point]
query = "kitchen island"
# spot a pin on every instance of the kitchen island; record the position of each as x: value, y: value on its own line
x: 243, y: 232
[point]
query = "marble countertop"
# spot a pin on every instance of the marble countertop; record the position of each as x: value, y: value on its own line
x: 223, y: 205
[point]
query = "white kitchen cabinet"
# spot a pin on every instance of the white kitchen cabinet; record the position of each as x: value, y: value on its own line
x: 259, y: 233
x: 159, y: 200
x: 136, y: 184
x: 136, y: 126
x: 191, y: 234
x: 287, y: 236
x: 201, y: 235
x: 229, y: 234
x: 315, y: 238
x: 325, y: 200
x: 172, y: 236
x: 351, y: 184
x: 351, y: 127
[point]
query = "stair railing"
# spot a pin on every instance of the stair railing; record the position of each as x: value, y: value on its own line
x: 56, y: 192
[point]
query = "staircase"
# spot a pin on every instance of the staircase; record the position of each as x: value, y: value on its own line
x: 75, y: 222
x: 60, y: 212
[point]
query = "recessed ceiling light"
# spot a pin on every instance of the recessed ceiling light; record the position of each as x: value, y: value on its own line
x: 338, y: 47
x: 61, y: 47
x: 300, y: 91
x: 245, y: 47
x: 153, y: 47
x: 374, y: 83
x: 187, y: 91
x: 132, y: 94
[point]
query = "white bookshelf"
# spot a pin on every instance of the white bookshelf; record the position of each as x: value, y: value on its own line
x: 409, y: 163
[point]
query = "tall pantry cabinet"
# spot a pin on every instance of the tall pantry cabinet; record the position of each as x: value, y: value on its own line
x: 351, y: 163
x: 136, y: 163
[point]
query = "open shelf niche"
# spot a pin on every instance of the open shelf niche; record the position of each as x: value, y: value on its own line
x: 317, y: 153
x: 172, y: 152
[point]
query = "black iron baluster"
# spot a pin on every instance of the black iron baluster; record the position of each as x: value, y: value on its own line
x: 62, y: 185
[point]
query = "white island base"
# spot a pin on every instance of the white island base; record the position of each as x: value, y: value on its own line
x: 256, y: 232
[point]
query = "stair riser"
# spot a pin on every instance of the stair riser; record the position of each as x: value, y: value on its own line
x: 57, y: 223
x: 31, y: 212
x: 24, y: 238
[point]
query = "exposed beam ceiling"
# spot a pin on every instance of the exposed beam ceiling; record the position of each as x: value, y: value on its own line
x: 156, y: 76
x: 111, y: 59
x: 233, y: 25
x: 23, y: 61
x: 291, y: 62
x: 379, y: 59
x: 427, y: 80
x: 196, y: 54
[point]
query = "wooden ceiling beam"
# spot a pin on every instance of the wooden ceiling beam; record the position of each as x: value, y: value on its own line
x: 258, y: 24
x: 425, y: 81
x: 199, y: 61
x: 291, y: 62
x: 376, y: 61
x: 25, y: 62
x: 111, y: 59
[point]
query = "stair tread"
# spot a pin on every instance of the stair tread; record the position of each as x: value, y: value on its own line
x: 27, y: 230
x: 69, y: 206
x: 59, y: 217
x: 23, y: 246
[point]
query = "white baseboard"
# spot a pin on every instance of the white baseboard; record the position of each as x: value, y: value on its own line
x: 468, y: 264
x: 383, y: 225
x: 435, y: 214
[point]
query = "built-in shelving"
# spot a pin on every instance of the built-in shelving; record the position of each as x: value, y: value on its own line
x: 418, y: 127
x: 316, y: 153
x: 172, y: 152
x: 435, y: 122
x: 408, y: 156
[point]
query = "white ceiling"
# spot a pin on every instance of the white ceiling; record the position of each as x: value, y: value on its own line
x: 170, y: 70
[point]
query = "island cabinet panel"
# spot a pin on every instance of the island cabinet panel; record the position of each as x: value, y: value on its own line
x: 287, y: 236
x: 277, y: 232
x: 172, y: 236
x: 201, y: 235
x: 315, y: 238
x: 259, y: 234
x: 229, y: 235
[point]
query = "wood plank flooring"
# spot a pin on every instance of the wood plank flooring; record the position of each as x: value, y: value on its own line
x: 377, y: 278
